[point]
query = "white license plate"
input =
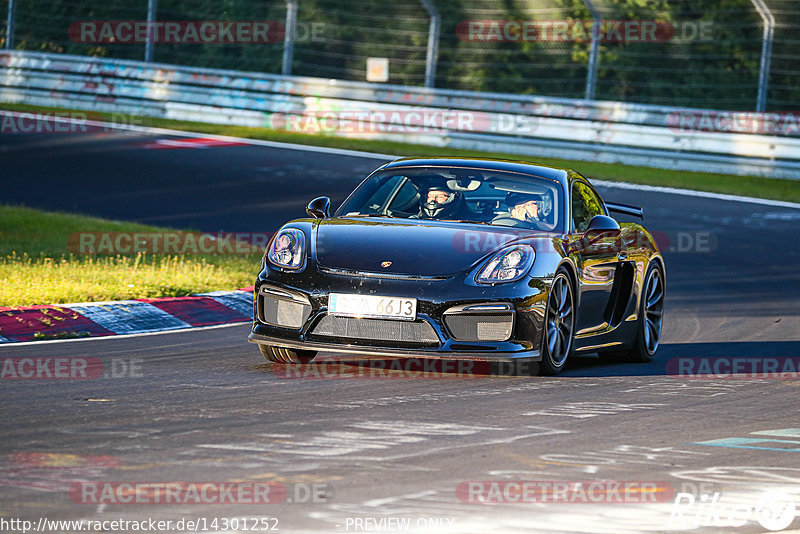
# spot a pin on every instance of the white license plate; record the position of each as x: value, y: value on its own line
x: 372, y: 306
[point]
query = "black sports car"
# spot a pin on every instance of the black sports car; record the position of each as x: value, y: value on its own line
x: 486, y: 260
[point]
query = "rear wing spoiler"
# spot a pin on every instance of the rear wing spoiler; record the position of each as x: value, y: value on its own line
x: 625, y: 209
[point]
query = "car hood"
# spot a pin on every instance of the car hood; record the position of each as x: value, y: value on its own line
x: 424, y: 248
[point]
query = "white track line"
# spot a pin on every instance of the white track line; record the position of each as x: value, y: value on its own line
x: 183, y: 133
x: 693, y: 193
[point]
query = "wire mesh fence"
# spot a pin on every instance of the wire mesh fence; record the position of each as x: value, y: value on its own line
x: 784, y: 93
x: 670, y: 52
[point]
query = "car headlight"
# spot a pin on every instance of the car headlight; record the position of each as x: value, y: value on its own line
x: 288, y: 249
x: 508, y: 265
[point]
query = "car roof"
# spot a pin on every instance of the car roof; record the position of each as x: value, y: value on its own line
x: 558, y: 174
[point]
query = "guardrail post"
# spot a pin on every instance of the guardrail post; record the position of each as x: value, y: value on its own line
x: 433, y: 43
x: 10, y: 25
x: 288, y: 40
x: 152, y: 6
x: 766, y: 53
x: 594, y: 44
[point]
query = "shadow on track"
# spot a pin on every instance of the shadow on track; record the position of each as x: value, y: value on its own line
x: 743, y: 359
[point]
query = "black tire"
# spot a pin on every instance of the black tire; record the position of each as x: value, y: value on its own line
x: 559, y: 325
x: 284, y: 355
x: 651, y: 318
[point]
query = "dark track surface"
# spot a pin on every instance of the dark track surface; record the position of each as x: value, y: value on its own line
x: 208, y: 408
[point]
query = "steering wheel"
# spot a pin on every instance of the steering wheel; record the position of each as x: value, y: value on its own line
x: 507, y: 220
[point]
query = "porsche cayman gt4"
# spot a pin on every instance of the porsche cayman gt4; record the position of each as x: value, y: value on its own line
x: 485, y: 260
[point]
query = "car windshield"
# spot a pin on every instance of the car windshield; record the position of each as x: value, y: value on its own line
x: 459, y: 194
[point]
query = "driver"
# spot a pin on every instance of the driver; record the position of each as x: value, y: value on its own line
x: 523, y: 207
x: 442, y: 203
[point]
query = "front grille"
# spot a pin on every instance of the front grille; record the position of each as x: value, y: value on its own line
x: 285, y: 313
x: 376, y: 330
x: 483, y: 327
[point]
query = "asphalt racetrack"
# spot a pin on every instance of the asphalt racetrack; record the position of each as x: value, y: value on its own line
x: 404, y: 454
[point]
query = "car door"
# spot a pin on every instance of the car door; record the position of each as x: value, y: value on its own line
x: 596, y: 257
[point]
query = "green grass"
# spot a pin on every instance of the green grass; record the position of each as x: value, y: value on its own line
x: 773, y: 188
x: 36, y: 266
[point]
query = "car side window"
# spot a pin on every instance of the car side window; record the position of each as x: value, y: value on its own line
x: 585, y: 205
x: 378, y: 198
x: 407, y: 198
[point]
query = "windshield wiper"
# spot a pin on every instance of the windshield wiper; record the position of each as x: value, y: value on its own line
x: 462, y: 221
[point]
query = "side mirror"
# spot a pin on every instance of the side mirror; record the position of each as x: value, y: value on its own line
x: 320, y: 208
x: 602, y: 224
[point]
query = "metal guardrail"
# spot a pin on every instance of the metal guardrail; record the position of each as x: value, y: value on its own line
x: 632, y: 134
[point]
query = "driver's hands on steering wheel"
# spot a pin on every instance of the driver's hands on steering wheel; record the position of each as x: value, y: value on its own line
x: 526, y: 211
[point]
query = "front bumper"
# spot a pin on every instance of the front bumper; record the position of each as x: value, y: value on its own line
x: 435, y: 299
x: 370, y: 351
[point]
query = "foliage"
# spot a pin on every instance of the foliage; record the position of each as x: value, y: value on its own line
x: 35, y: 267
x: 718, y: 70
